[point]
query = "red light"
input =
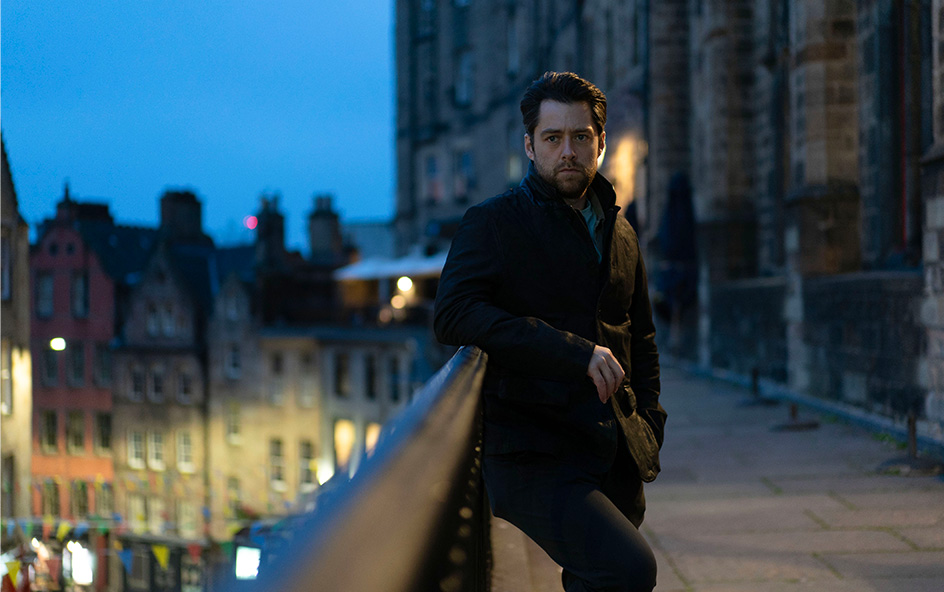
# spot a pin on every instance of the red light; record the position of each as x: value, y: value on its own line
x: 250, y: 222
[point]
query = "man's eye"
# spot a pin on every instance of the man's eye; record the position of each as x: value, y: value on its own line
x: 551, y: 138
x: 581, y: 137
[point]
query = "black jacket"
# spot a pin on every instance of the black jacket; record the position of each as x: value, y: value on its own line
x: 523, y: 283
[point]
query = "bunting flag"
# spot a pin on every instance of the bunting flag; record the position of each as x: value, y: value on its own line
x: 162, y: 553
x: 125, y: 556
x: 227, y: 548
x: 64, y: 528
x: 81, y: 528
x: 11, y: 527
x: 116, y: 545
x: 195, y: 551
x: 13, y: 569
x: 28, y: 528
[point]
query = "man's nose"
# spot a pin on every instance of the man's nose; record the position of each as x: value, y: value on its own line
x: 567, y: 149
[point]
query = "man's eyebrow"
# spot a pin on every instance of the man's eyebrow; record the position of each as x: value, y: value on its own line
x: 547, y: 131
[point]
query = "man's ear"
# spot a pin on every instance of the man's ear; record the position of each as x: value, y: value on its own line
x: 529, y: 146
x: 602, y: 147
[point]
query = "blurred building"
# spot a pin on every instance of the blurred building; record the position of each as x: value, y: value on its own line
x: 809, y: 135
x: 16, y: 393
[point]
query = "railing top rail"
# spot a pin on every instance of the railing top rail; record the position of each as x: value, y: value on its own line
x: 376, y: 531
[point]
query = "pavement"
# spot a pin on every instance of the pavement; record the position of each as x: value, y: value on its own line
x: 741, y: 506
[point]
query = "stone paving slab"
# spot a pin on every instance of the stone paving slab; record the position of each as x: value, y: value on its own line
x: 928, y: 539
x: 886, y: 566
x: 826, y: 541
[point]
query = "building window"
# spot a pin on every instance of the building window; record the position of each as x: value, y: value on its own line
x: 342, y: 375
x: 394, y: 378
x: 276, y: 464
x: 80, y: 499
x: 187, y: 519
x: 155, y: 514
x: 49, y: 431
x: 76, y: 355
x: 103, y: 433
x: 155, y: 451
x: 137, y: 512
x: 184, y: 388
x: 433, y: 184
x: 234, y: 364
x: 136, y: 449
x: 6, y: 378
x: 232, y: 422
x: 50, y: 367
x: 102, y: 364
x: 104, y: 500
x: 306, y: 460
x: 156, y: 394
x: 167, y: 320
x: 344, y: 435
x: 153, y: 320
x: 44, y: 294
x: 50, y: 498
x: 184, y: 452
x: 137, y: 384
x: 6, y: 268
x: 80, y: 295
x: 75, y: 432
x: 232, y: 496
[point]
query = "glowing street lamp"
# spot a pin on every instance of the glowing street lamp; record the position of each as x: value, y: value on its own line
x: 404, y: 284
x: 57, y: 344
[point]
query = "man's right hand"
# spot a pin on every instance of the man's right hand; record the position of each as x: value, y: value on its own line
x: 605, y: 372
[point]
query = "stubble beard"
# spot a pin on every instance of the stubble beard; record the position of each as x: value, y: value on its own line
x: 569, y: 186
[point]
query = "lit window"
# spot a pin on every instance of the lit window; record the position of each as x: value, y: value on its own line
x: 50, y: 498
x: 156, y: 451
x: 155, y: 514
x: 184, y: 452
x: 187, y: 519
x: 136, y: 450
x: 306, y: 460
x: 137, y: 512
x: 80, y: 499
x: 104, y: 500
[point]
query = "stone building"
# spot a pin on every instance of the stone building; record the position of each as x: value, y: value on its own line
x: 16, y: 392
x: 810, y: 133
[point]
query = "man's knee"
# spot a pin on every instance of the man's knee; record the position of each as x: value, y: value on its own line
x: 636, y: 574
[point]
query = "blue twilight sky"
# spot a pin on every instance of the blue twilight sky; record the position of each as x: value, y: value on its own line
x: 229, y: 98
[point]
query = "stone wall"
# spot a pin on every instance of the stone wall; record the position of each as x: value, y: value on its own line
x: 864, y: 339
x: 748, y: 328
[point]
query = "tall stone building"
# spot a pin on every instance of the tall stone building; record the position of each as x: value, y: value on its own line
x: 810, y: 133
x: 16, y: 406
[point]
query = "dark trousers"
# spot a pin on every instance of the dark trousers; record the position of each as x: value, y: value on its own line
x: 586, y: 521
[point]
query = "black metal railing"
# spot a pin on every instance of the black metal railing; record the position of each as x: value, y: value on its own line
x: 413, y: 518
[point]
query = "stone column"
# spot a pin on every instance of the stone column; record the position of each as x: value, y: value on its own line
x: 822, y: 228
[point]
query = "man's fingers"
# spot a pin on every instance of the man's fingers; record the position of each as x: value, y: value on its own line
x: 605, y: 371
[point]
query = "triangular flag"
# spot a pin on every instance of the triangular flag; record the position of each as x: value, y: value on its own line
x: 125, y: 556
x: 195, y: 550
x: 116, y: 544
x: 13, y: 569
x: 28, y: 529
x: 162, y: 553
x: 64, y: 529
x: 81, y: 528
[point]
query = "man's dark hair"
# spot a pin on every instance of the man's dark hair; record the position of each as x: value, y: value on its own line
x: 563, y: 87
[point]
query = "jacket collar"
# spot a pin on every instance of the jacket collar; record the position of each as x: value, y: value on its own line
x: 540, y: 191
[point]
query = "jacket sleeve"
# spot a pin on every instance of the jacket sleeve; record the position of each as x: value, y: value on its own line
x: 467, y: 311
x: 644, y: 378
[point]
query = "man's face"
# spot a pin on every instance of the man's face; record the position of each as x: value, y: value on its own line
x: 565, y: 147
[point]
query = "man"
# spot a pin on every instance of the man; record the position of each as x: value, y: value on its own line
x: 548, y: 280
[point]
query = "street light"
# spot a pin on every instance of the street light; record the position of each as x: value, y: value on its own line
x: 57, y: 344
x: 404, y: 284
